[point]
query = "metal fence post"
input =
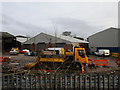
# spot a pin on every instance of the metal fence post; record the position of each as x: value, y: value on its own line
x: 98, y: 82
x: 12, y: 81
x: 103, y: 82
x: 75, y: 81
x: 8, y: 81
x: 113, y: 80
x: 26, y: 81
x: 55, y: 81
x: 108, y: 82
x: 41, y: 81
x: 95, y: 82
x: 3, y: 80
x: 45, y: 80
x: 85, y: 82
x: 35, y: 81
x: 119, y: 82
x: 30, y: 81
x: 50, y: 81
x: 21, y: 80
x: 59, y: 81
x: 71, y: 82
x: 90, y: 82
x: 80, y: 82
x: 65, y: 80
x: 61, y: 84
x: 16, y: 81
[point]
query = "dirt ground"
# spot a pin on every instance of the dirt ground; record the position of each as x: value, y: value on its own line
x: 112, y: 67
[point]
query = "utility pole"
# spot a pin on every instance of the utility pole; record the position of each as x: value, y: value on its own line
x: 55, y: 28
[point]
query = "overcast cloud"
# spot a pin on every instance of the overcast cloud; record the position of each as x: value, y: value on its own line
x: 81, y: 18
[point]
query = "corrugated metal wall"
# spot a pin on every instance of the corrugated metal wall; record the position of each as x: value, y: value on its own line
x: 26, y: 46
x: 107, y: 39
x: 41, y: 46
x: 61, y: 45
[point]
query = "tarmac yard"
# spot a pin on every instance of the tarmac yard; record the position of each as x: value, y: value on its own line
x: 20, y: 60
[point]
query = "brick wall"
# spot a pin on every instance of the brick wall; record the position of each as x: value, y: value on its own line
x: 35, y: 47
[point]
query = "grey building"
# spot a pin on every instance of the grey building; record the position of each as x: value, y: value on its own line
x: 43, y: 40
x: 107, y: 39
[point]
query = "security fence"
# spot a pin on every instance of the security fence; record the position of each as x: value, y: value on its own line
x: 61, y: 81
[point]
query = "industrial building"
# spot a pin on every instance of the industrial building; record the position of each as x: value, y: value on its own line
x: 43, y: 41
x: 8, y: 41
x: 107, y: 39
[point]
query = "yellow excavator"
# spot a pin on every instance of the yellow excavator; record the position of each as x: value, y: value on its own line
x: 59, y: 58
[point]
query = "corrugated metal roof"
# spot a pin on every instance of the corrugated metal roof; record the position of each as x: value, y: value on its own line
x: 47, y: 38
x: 6, y: 35
x: 71, y: 39
x: 108, y: 29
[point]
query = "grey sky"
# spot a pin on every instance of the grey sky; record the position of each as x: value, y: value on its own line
x: 81, y: 18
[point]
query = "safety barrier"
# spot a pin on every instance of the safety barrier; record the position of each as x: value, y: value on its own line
x: 101, y: 62
x: 62, y: 81
x: 89, y: 60
x: 118, y: 61
x: 1, y: 60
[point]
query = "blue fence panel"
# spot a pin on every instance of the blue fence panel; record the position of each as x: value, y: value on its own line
x: 112, y: 49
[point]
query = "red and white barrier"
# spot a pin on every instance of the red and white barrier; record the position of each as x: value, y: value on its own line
x: 101, y: 62
x: 118, y: 61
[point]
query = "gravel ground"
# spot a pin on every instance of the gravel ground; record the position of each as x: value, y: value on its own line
x: 22, y: 59
x: 112, y: 66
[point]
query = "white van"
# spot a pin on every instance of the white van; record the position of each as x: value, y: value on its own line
x: 103, y: 52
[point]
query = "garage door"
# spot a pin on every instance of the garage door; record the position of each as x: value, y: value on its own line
x: 26, y: 46
x: 60, y: 45
x: 41, y: 46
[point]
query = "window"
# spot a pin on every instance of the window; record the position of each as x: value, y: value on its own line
x: 81, y: 53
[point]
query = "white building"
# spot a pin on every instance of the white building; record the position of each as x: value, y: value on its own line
x: 22, y: 39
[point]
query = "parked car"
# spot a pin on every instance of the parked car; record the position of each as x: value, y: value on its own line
x: 15, y: 48
x: 31, y: 53
x: 24, y: 51
x: 14, y: 52
x: 103, y: 52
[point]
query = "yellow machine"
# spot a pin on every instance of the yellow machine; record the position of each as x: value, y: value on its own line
x: 59, y: 58
x: 16, y: 49
x: 59, y: 55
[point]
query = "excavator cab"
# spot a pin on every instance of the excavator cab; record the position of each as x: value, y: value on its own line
x: 80, y: 55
